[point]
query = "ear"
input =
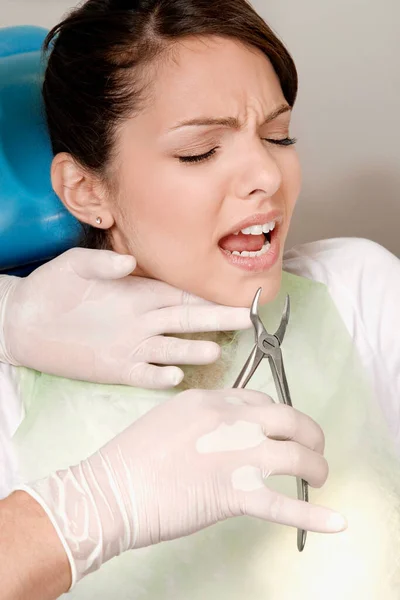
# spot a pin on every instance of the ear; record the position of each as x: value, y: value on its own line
x: 80, y: 192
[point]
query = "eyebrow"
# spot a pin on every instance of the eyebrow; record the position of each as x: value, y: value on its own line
x: 231, y: 122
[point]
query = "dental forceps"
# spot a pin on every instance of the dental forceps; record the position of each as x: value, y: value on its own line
x: 269, y: 346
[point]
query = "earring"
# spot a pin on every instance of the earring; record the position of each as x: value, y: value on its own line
x: 99, y: 220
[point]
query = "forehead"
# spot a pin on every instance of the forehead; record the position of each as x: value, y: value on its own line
x: 210, y: 76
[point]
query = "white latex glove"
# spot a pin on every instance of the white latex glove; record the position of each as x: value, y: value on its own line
x: 80, y: 316
x: 183, y: 466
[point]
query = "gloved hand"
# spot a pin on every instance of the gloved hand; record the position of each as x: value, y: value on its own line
x: 194, y: 460
x: 80, y: 316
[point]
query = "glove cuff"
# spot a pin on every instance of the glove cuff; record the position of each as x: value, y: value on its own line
x: 88, y: 511
x: 7, y: 285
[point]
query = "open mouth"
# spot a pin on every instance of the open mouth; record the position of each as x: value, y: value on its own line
x: 250, y: 242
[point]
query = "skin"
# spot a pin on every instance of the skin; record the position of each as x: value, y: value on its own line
x: 33, y: 563
x: 171, y: 215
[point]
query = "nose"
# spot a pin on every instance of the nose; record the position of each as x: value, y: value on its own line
x: 258, y: 174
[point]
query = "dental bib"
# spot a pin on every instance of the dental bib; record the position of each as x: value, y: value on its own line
x: 245, y: 558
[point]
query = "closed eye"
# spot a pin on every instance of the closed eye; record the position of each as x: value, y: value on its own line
x: 198, y: 157
x: 284, y: 142
x: 203, y: 157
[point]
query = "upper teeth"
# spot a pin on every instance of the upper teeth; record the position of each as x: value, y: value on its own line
x: 257, y: 229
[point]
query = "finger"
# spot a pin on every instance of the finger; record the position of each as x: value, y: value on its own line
x: 100, y: 264
x: 290, y: 458
x: 191, y: 319
x: 152, y: 377
x: 172, y: 351
x: 167, y: 295
x: 272, y: 506
x: 282, y: 422
x: 162, y: 295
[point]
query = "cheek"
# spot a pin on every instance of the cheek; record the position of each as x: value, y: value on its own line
x: 174, y: 209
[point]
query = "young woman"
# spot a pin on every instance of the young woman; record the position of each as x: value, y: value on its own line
x: 170, y: 125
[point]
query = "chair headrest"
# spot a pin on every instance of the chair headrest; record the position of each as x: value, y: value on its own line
x: 34, y: 225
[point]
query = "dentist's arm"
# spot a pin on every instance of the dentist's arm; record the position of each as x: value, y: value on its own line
x: 81, y: 316
x: 33, y: 563
x: 130, y: 495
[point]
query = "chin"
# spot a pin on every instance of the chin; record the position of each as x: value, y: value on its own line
x: 242, y: 292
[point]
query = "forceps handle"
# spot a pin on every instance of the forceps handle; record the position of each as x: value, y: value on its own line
x: 282, y: 387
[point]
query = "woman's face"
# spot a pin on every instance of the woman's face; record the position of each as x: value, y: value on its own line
x: 207, y: 158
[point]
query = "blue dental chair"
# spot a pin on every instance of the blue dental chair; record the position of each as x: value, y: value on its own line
x: 34, y: 225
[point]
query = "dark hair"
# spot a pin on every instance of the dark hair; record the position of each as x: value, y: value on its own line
x: 88, y: 87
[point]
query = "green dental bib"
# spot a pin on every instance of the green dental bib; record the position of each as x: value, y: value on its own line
x: 244, y: 558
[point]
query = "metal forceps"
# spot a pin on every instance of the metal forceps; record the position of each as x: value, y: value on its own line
x: 269, y: 346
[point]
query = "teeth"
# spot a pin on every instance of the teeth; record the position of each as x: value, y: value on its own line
x: 258, y: 229
x: 253, y: 230
x: 268, y: 227
x: 246, y: 254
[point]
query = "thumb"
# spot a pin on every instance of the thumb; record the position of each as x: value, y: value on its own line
x: 101, y: 264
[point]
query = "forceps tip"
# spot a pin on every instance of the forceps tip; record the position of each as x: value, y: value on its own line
x: 254, y: 304
x: 301, y: 539
x: 256, y: 298
x: 286, y: 309
x: 280, y: 333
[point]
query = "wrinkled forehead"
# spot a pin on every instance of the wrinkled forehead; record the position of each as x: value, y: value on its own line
x: 210, y: 76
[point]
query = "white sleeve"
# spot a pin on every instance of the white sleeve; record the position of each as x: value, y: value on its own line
x: 363, y: 279
x: 6, y: 284
x: 11, y: 415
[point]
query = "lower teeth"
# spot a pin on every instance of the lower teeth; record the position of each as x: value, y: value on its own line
x: 246, y: 254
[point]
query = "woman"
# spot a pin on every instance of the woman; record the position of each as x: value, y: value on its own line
x: 170, y: 124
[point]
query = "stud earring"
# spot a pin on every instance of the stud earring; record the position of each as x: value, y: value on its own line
x: 99, y: 220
